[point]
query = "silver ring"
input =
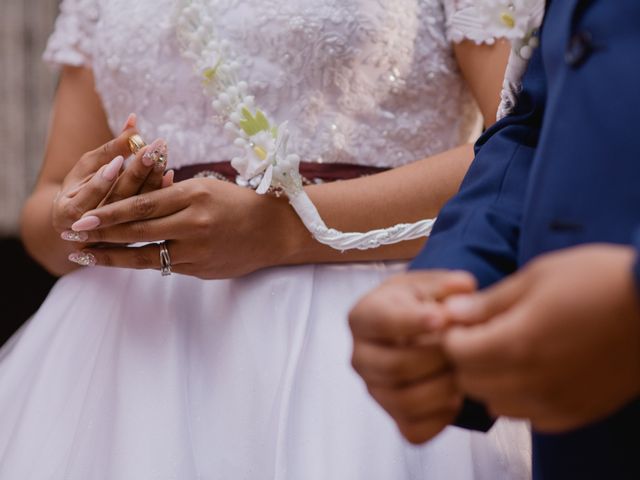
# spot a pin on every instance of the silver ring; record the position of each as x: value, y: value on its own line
x: 165, y: 260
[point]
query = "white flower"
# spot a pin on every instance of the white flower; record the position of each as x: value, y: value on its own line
x: 260, y: 152
x: 266, y: 162
x: 286, y: 174
x: 511, y: 19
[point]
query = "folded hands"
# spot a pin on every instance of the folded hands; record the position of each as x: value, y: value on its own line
x: 117, y: 215
x: 557, y: 343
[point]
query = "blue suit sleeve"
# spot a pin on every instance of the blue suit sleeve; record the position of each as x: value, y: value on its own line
x: 636, y: 266
x: 478, y: 230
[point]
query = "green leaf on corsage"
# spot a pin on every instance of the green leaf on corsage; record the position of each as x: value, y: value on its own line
x: 252, y: 125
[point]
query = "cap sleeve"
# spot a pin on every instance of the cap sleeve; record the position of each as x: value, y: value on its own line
x: 71, y: 42
x: 460, y: 23
x: 482, y: 21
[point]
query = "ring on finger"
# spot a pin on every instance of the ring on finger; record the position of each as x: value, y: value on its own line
x: 165, y: 260
x: 136, y: 143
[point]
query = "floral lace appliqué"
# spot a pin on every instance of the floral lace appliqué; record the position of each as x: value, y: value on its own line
x: 373, y: 84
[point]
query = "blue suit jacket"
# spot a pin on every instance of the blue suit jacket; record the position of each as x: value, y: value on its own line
x: 563, y: 170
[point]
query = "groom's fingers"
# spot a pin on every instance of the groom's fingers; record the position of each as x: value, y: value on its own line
x: 432, y: 285
x: 455, y: 282
x: 506, y: 393
x: 492, y: 346
x: 484, y: 305
x: 406, y: 305
x: 389, y: 366
x: 425, y: 429
x: 419, y: 401
x: 391, y: 316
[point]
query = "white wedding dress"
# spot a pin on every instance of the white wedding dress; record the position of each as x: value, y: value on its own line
x: 126, y: 375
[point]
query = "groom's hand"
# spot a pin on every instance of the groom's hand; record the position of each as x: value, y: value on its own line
x: 397, y: 350
x: 558, y: 343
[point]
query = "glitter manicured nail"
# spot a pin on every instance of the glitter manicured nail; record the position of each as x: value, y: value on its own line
x: 71, y: 236
x: 156, y: 155
x: 84, y: 259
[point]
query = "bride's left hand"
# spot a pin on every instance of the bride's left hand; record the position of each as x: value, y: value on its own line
x: 213, y: 229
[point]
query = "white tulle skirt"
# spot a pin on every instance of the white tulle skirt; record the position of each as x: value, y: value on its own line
x: 125, y: 375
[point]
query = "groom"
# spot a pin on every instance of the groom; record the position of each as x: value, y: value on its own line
x: 547, y: 224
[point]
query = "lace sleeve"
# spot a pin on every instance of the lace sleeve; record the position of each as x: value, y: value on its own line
x: 72, y: 40
x: 483, y: 21
x: 462, y: 24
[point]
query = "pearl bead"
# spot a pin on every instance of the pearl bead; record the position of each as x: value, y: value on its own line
x: 526, y: 52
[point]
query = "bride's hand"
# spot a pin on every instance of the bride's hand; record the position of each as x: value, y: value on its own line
x: 214, y: 229
x: 98, y: 178
x: 146, y: 173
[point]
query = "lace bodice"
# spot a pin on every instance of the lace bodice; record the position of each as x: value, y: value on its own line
x: 372, y: 83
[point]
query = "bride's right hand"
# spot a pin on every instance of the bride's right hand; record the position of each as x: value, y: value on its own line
x: 99, y: 178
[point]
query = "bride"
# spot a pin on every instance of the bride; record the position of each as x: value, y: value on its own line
x: 237, y: 365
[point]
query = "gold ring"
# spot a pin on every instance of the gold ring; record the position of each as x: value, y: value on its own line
x: 136, y: 143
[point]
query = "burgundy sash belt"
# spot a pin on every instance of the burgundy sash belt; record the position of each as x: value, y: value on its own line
x: 311, y: 172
